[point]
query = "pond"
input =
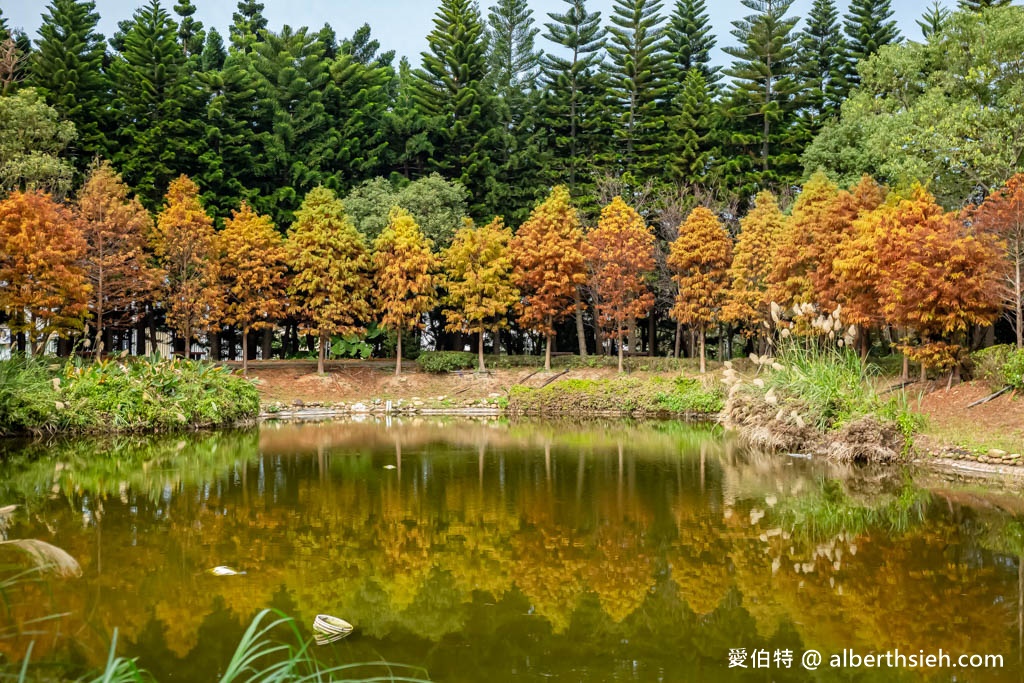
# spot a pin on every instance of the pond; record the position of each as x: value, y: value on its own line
x: 490, y: 551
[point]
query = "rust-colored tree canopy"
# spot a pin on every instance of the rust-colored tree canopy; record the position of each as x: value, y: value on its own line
x: 620, y: 256
x: 117, y: 230
x: 253, y: 264
x: 798, y: 253
x: 405, y: 270
x: 44, y: 290
x: 747, y: 300
x: 1002, y: 215
x: 331, y: 269
x: 186, y: 251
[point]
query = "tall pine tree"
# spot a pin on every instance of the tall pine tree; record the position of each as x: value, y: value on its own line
x: 933, y: 20
x: 247, y: 25
x: 690, y: 41
x: 821, y: 65
x: 638, y: 67
x: 762, y: 104
x: 690, y: 134
x: 190, y: 31
x: 869, y: 26
x: 67, y: 68
x: 571, y: 106
x: 459, y: 109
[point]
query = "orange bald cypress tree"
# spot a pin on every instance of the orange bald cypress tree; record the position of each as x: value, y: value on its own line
x: 478, y: 277
x: 186, y: 251
x: 747, y: 301
x: 405, y: 279
x: 44, y: 291
x: 332, y: 270
x: 547, y: 253
x: 253, y: 264
x: 620, y: 257
x: 700, y: 258
x: 116, y: 229
x: 1002, y: 215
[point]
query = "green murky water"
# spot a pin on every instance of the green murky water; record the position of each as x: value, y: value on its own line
x: 495, y: 552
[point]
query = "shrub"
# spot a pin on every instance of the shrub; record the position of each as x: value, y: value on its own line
x: 989, y: 364
x: 1013, y: 370
x: 446, y: 361
x: 690, y: 396
x: 27, y: 395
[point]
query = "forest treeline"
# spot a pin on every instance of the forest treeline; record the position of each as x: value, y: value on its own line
x: 586, y: 178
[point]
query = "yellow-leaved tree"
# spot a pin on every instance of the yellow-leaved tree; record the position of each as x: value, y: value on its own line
x: 405, y: 268
x: 253, y: 265
x: 620, y: 256
x: 547, y: 253
x: 700, y: 260
x: 478, y: 278
x: 747, y: 302
x: 185, y: 248
x: 331, y: 270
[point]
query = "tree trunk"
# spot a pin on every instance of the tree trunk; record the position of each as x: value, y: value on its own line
x: 321, y: 354
x: 547, y: 354
x: 619, y: 340
x: 188, y: 342
x: 652, y: 333
x: 924, y: 372
x: 1019, y: 307
x: 703, y: 360
x: 398, y: 355
x: 98, y: 341
x: 679, y: 338
x: 245, y: 351
x: 631, y: 338
x: 905, y: 375
x: 581, y: 333
x: 480, y: 350
x: 140, y: 338
x: 268, y: 343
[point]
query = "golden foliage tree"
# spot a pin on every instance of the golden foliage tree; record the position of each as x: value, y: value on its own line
x: 547, y: 252
x: 331, y: 266
x: 44, y: 290
x: 253, y: 265
x: 478, y: 277
x: 700, y: 258
x: 186, y: 250
x: 1002, y: 215
x: 405, y: 267
x: 747, y: 301
x: 620, y: 256
x: 116, y: 229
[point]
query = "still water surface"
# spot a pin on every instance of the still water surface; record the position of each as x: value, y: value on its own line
x: 496, y: 552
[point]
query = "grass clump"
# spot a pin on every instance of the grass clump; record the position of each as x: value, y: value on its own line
x: 126, y: 395
x: 623, y: 395
x: 438, y: 362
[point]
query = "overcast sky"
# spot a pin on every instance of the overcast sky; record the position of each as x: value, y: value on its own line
x: 402, y: 25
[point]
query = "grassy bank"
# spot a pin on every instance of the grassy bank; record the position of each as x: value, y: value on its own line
x: 825, y: 401
x: 621, y: 396
x: 131, y: 395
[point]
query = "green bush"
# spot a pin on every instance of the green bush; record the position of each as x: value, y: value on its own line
x: 989, y: 365
x: 122, y: 396
x: 622, y: 395
x: 1013, y: 370
x: 689, y: 395
x: 446, y: 361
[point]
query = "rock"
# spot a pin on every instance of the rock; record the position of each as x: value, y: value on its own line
x: 996, y: 453
x: 417, y: 403
x: 1014, y: 456
x: 360, y: 408
x: 298, y: 403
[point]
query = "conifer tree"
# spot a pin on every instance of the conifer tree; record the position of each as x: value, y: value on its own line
x: 747, y: 301
x: 331, y: 268
x: 572, y: 111
x: 933, y: 20
x: 478, y: 270
x: 821, y: 65
x: 690, y: 133
x: 45, y: 292
x: 869, y: 26
x: 191, y: 35
x: 68, y: 70
x: 620, y: 255
x: 365, y: 49
x: 548, y: 257
x: 978, y: 5
x: 761, y: 106
x: 690, y: 41
x: 405, y: 270
x: 638, y: 64
x: 247, y: 25
x: 116, y: 230
x: 513, y: 60
x: 700, y: 258
x: 459, y: 110
x: 214, y: 54
x: 252, y: 273
x: 186, y: 250
x: 156, y: 105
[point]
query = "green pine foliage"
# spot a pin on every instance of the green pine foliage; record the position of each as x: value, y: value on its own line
x: 978, y: 5
x: 214, y: 54
x: 460, y: 112
x: 933, y: 20
x: 869, y: 26
x: 247, y: 25
x: 638, y: 70
x: 761, y: 108
x: 191, y: 35
x: 571, y: 106
x: 67, y: 69
x: 690, y: 41
x: 690, y: 131
x: 821, y: 70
